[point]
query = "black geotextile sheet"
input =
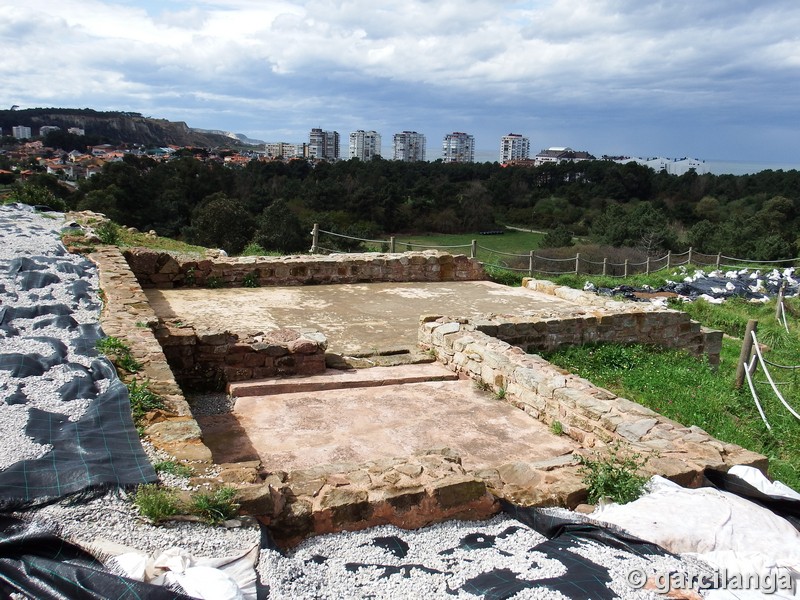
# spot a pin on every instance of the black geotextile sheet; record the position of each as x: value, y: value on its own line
x: 100, y: 450
x: 41, y: 565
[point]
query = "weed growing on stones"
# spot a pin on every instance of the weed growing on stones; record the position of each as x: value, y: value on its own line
x: 119, y: 353
x: 109, y: 233
x: 142, y: 400
x: 155, y: 502
x: 615, y: 475
x: 556, y: 428
x: 215, y: 507
x: 213, y: 282
x: 251, y: 280
x: 173, y: 468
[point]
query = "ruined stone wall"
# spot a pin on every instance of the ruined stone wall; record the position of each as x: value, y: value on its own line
x: 156, y: 269
x: 588, y: 414
x: 127, y: 315
x: 203, y: 360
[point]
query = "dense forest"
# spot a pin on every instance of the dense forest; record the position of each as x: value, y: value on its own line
x: 274, y: 203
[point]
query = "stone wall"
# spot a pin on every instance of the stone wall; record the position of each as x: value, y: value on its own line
x: 607, y: 320
x: 156, y: 269
x: 588, y: 414
x: 408, y: 492
x: 203, y: 360
x: 127, y: 315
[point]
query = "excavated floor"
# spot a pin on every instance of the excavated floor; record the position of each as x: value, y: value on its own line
x: 297, y: 430
x: 356, y: 318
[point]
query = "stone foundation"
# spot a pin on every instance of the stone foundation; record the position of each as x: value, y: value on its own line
x: 127, y: 315
x: 165, y: 270
x: 207, y: 360
x: 592, y: 416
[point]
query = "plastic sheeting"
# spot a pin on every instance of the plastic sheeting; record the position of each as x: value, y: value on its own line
x: 41, y: 565
x: 101, y: 448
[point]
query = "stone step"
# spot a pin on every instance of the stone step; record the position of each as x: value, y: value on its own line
x: 336, y: 379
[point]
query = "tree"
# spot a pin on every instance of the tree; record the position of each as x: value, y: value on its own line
x: 221, y: 222
x: 560, y: 237
x: 280, y: 229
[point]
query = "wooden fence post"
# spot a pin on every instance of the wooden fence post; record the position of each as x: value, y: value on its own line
x: 719, y: 259
x: 315, y: 239
x: 689, y: 260
x: 625, y: 275
x: 779, y: 303
x: 605, y: 265
x: 530, y: 264
x: 669, y: 256
x: 473, y: 249
x: 747, y: 348
x: 391, y: 245
x: 647, y: 267
x: 577, y: 263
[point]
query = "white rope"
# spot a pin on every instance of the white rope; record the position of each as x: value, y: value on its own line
x: 783, y: 316
x: 747, y: 370
x: 769, y: 377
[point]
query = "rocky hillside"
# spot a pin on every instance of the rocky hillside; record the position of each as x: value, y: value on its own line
x: 116, y: 127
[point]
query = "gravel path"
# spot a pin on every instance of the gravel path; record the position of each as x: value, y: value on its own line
x: 452, y: 559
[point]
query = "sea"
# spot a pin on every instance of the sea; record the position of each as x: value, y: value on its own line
x: 736, y: 167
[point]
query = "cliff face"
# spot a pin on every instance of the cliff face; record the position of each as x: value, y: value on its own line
x: 115, y: 127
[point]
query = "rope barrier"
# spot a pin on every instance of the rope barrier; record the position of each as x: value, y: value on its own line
x: 759, y: 262
x: 769, y: 377
x: 753, y: 392
x: 350, y: 237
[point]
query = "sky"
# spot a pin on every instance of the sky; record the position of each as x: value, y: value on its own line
x: 710, y: 79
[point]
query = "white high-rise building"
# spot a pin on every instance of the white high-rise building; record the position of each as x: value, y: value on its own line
x: 458, y: 147
x: 514, y: 147
x: 365, y: 145
x: 323, y: 145
x: 21, y: 132
x: 408, y: 146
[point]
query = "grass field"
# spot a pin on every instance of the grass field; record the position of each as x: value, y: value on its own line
x: 686, y: 389
x: 510, y: 242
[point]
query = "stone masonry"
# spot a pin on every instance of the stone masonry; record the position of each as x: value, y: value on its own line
x: 156, y: 269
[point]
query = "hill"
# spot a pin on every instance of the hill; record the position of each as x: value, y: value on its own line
x: 118, y: 127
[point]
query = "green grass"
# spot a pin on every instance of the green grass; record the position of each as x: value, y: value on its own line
x: 140, y: 240
x: 511, y: 242
x: 615, y: 474
x: 686, y: 389
x: 215, y: 507
x: 155, y: 502
x: 173, y: 468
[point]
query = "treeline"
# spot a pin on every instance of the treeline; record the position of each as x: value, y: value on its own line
x: 274, y: 204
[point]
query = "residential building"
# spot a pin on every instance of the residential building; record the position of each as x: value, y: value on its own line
x: 673, y: 166
x: 365, y: 145
x: 76, y: 131
x: 458, y: 147
x: 285, y: 150
x: 45, y: 129
x: 559, y: 154
x: 408, y: 146
x: 514, y: 147
x: 21, y: 132
x: 323, y: 145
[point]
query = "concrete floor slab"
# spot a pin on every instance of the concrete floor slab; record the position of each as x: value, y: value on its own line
x: 356, y: 318
x: 300, y: 430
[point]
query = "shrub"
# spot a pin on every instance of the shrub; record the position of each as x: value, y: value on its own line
x: 254, y: 249
x: 556, y: 427
x: 214, y: 282
x: 615, y: 475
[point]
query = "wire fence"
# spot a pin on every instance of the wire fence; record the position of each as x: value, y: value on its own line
x: 533, y: 262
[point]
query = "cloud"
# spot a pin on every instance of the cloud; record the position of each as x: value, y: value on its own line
x: 266, y: 66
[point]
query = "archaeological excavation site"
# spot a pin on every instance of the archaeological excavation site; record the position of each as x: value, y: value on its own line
x: 400, y: 389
